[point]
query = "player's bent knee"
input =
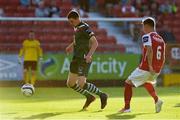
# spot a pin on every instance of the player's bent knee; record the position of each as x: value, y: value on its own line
x: 81, y: 85
x: 129, y: 82
x: 82, y: 81
x: 70, y: 83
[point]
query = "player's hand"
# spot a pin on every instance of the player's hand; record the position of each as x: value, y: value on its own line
x: 151, y: 70
x: 69, y: 50
x: 19, y: 60
x: 88, y: 58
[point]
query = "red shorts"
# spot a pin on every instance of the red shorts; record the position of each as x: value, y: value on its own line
x: 30, y: 64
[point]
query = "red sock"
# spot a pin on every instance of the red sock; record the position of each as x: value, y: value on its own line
x: 127, y: 95
x: 149, y: 87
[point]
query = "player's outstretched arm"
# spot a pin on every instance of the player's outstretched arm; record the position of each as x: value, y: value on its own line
x: 94, y: 45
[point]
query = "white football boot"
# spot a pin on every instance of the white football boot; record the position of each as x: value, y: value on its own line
x: 158, y: 106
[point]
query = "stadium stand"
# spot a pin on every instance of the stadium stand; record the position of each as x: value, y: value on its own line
x: 54, y: 36
x: 51, y: 34
x: 145, y: 8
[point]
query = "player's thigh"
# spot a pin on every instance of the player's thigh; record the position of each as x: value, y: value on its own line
x: 138, y: 77
x: 72, y: 79
x: 26, y: 66
x: 83, y: 69
x: 33, y: 66
x: 81, y: 81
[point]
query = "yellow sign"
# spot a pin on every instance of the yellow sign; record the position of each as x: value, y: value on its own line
x: 171, y: 79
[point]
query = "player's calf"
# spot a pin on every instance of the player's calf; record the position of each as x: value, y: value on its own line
x: 26, y: 76
x: 33, y: 77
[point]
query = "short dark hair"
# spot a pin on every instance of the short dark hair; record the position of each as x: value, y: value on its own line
x: 149, y: 22
x: 73, y: 14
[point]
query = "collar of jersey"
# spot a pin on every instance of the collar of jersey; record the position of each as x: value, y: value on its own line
x: 78, y: 24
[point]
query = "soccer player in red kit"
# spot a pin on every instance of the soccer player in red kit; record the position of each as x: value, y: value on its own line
x: 151, y: 64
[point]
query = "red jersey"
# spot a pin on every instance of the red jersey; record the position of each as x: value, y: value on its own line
x: 158, y: 47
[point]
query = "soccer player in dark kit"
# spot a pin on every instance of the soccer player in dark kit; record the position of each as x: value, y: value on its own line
x: 83, y: 48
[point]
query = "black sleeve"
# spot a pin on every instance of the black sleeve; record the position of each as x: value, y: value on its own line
x: 89, y: 32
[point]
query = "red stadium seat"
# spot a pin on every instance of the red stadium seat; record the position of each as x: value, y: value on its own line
x: 51, y: 34
x: 117, y: 11
x: 13, y: 2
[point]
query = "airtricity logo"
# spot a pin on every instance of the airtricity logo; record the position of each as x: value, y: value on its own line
x: 108, y: 66
x: 46, y: 65
x: 4, y: 64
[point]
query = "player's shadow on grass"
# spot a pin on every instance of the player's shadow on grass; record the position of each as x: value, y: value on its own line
x: 10, y: 113
x: 177, y: 105
x: 98, y: 111
x: 44, y: 115
x: 40, y: 116
x: 124, y: 116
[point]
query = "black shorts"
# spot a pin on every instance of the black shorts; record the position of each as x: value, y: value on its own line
x: 80, y: 67
x: 30, y: 64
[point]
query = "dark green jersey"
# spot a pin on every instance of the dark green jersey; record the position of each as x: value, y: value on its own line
x: 82, y: 38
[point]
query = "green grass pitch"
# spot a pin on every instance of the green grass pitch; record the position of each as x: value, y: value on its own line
x: 64, y: 103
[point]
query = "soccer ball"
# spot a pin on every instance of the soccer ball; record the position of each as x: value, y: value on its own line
x: 27, y: 90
